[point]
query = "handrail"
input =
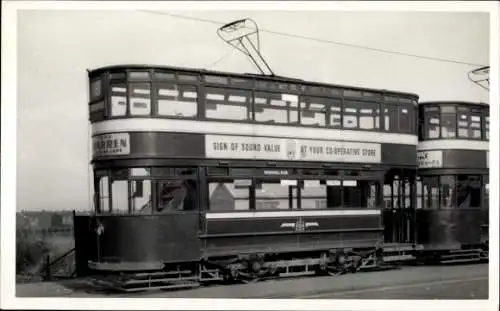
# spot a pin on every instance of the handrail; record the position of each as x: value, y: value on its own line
x: 48, y: 265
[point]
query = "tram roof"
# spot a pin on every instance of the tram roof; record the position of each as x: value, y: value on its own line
x: 445, y: 102
x: 100, y: 70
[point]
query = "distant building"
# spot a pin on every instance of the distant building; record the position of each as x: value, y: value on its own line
x: 45, y: 220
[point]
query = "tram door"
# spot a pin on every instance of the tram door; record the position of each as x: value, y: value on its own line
x: 399, y: 207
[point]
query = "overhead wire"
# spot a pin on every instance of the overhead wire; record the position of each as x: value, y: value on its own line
x: 326, y: 41
x: 220, y: 59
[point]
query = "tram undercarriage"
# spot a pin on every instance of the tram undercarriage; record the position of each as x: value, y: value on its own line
x: 250, y: 268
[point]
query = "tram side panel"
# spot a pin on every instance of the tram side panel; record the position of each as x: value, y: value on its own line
x: 143, y: 242
x: 263, y: 232
x: 449, y: 229
x: 85, y: 243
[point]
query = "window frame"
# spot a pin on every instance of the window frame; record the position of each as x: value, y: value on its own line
x: 331, y: 97
x: 226, y: 94
x: 180, y: 88
x: 305, y: 102
x: 477, y: 112
x: 288, y: 107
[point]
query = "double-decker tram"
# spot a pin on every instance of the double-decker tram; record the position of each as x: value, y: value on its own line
x: 206, y: 176
x: 453, y: 187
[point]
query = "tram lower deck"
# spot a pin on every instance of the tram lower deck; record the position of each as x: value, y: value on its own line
x: 190, y: 215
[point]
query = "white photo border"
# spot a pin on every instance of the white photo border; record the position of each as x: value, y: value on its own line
x: 8, y: 167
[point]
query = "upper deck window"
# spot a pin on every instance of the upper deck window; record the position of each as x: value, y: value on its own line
x: 164, y: 76
x: 276, y: 108
x: 407, y: 118
x: 463, y: 117
x: 369, y: 117
x: 294, y: 87
x: 140, y: 99
x: 177, y: 100
x: 96, y: 107
x: 475, y: 123
x: 362, y: 115
x: 227, y: 104
x: 118, y: 100
x: 431, y: 122
x: 241, y: 82
x: 389, y: 98
x: 186, y: 77
x: 336, y: 113
x: 352, y: 93
x: 350, y: 117
x: 448, y: 122
x: 391, y: 119
x: 216, y: 79
x: 139, y: 75
x: 313, y: 111
x: 95, y: 89
x: 469, y: 122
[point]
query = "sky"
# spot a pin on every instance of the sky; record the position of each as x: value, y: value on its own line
x: 55, y: 48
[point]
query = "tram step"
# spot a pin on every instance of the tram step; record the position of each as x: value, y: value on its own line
x: 168, y: 286
x: 465, y: 251
x: 402, y: 257
x: 460, y: 260
x: 159, y: 280
x: 474, y: 255
x: 295, y: 274
x: 158, y: 274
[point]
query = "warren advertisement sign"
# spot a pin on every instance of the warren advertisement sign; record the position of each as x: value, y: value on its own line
x: 265, y: 148
x: 430, y: 159
x: 111, y: 144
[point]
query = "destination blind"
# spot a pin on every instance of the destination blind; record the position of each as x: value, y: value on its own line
x: 111, y: 144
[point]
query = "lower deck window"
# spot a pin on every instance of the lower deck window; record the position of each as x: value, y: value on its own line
x: 314, y: 195
x: 450, y: 192
x: 225, y: 195
x: 276, y: 194
x: 285, y: 194
x: 430, y: 192
x: 447, y: 192
x: 176, y: 195
x: 160, y: 190
x: 468, y: 191
x: 359, y: 193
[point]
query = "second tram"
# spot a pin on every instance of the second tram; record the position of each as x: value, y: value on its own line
x: 453, y: 182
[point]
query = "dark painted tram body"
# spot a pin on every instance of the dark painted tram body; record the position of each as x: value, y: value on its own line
x: 453, y: 182
x: 194, y: 166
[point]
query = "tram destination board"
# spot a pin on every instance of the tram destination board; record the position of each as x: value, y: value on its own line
x: 430, y: 159
x: 268, y: 148
x: 111, y: 144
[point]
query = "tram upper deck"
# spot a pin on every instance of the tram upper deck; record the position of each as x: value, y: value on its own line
x: 453, y: 135
x: 150, y: 112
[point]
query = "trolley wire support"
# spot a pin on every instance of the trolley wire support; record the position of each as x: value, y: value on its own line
x: 480, y: 76
x: 243, y: 35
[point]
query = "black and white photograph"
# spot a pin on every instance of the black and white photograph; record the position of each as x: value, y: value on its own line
x: 250, y: 155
